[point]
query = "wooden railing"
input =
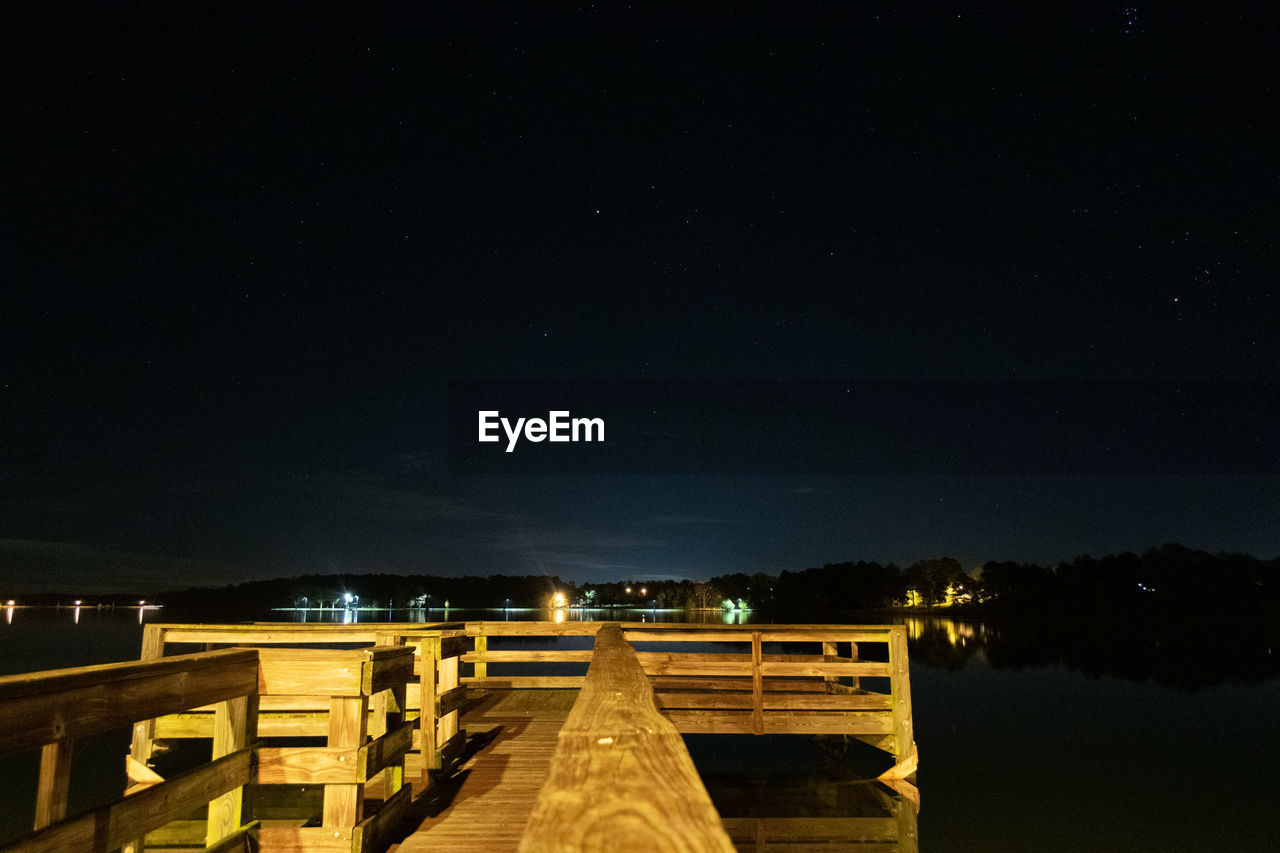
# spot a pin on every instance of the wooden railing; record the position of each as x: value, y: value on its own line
x: 621, y: 777
x: 529, y: 659
x: 54, y: 709
x: 769, y: 679
x: 432, y: 698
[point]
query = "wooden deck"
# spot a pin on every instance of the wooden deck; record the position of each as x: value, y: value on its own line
x: 326, y: 732
x: 487, y: 802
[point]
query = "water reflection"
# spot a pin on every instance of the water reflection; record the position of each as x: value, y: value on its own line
x: 1160, y: 650
x: 814, y: 811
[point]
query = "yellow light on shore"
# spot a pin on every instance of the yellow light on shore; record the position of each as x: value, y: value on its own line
x: 557, y: 600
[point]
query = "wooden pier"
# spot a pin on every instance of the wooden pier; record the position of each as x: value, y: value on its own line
x: 454, y: 736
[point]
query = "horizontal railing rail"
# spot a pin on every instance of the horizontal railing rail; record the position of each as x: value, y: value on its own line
x: 769, y: 679
x: 433, y: 696
x: 54, y: 709
x: 482, y: 655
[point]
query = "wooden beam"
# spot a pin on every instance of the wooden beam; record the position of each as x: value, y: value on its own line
x: 521, y: 656
x: 111, y: 826
x: 904, y: 746
x: 234, y: 728
x: 386, y: 667
x: 518, y: 682
x: 55, y: 777
x: 39, y: 708
x: 757, y: 686
x: 621, y: 776
x: 348, y: 718
x: 875, y: 669
x: 376, y: 832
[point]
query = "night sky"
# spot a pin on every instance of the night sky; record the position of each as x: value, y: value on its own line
x: 875, y: 272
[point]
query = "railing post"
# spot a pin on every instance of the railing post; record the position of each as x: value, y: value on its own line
x: 447, y: 723
x: 757, y: 685
x: 394, y: 706
x: 829, y: 650
x: 144, y: 731
x: 481, y: 647
x: 428, y: 716
x: 904, y: 747
x: 55, y: 776
x: 234, y: 728
x: 348, y: 721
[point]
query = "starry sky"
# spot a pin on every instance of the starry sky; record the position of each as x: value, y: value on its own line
x: 852, y: 280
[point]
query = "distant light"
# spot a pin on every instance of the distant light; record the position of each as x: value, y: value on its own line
x: 558, y: 600
x: 142, y: 604
x: 9, y: 603
x: 348, y: 596
x: 77, y: 602
x: 628, y: 590
x: 644, y: 591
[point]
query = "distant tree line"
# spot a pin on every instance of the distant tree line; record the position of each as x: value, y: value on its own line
x: 1171, y: 578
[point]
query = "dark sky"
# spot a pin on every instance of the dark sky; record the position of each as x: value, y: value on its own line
x: 244, y: 251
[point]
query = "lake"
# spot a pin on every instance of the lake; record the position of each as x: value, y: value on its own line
x: 1031, y: 737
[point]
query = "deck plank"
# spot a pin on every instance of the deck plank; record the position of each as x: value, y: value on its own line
x: 488, y: 802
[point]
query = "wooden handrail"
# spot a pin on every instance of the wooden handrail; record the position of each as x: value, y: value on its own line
x: 43, y: 707
x: 621, y: 777
x: 53, y: 709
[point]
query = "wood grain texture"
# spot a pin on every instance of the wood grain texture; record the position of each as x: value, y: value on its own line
x: 38, y: 708
x: 485, y: 805
x: 55, y: 780
x: 621, y: 778
x: 348, y: 719
x: 234, y: 728
x: 904, y: 747
x: 123, y: 822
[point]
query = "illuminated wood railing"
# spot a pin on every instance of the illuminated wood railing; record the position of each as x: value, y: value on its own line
x: 621, y: 776
x: 772, y: 679
x: 432, y: 698
x: 54, y: 709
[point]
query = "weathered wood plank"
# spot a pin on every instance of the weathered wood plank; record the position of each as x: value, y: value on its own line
x: 530, y: 656
x: 45, y: 707
x: 373, y: 833
x: 54, y: 782
x: 757, y: 685
x: 705, y: 684
x: 709, y: 665
x: 348, y: 721
x: 451, y: 700
x: 868, y: 668
x: 376, y: 755
x: 315, y: 672
x: 306, y: 839
x: 386, y: 667
x: 532, y: 629
x: 904, y: 747
x: 518, y: 682
x: 673, y: 634
x: 621, y: 774
x: 111, y: 826
x: 234, y: 728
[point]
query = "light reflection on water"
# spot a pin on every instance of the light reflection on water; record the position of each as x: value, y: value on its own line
x: 559, y: 615
x: 1036, y: 703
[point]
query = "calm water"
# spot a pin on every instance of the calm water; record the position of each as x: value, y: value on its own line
x: 1030, y: 739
